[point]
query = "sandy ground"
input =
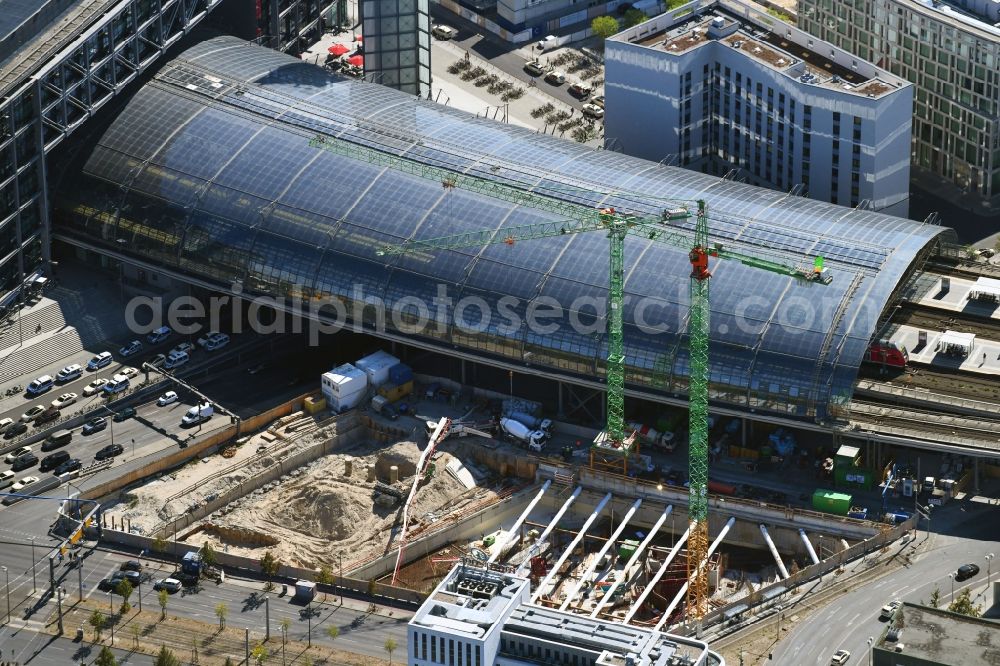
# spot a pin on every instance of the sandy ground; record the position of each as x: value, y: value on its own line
x: 316, y: 514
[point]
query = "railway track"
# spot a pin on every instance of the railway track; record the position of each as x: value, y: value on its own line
x: 973, y: 432
x: 925, y: 316
x: 941, y: 380
x: 964, y: 269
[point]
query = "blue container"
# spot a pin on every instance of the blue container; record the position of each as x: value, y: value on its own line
x: 400, y: 373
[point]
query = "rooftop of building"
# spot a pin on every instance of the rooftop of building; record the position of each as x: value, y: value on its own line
x: 943, y: 637
x: 471, y: 600
x: 765, y: 39
x: 613, y: 641
x: 961, y: 16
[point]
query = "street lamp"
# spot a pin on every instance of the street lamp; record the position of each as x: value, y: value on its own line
x: 34, y: 584
x: 952, y: 577
x: 6, y: 575
x: 989, y: 559
x: 870, y: 641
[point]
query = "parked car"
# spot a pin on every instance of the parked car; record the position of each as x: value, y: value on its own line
x: 70, y: 465
x: 183, y: 347
x: 130, y: 349
x: 203, y: 340
x: 128, y: 372
x: 593, y: 111
x: 70, y: 372
x: 15, y: 429
x: 534, y: 68
x: 32, y: 413
x: 157, y: 361
x: 53, y: 460
x: 109, y: 451
x: 133, y: 577
x: 94, y: 386
x: 57, y: 440
x: 24, y: 462
x: 111, y: 582
x: 556, y: 78
x: 65, y: 400
x: 5, y: 423
x: 102, y: 360
x: 6, y: 478
x: 24, y: 483
x: 966, y: 571
x: 177, y: 359
x: 171, y: 585
x: 49, y: 414
x: 580, y: 90
x: 116, y: 384
x: 888, y: 610
x: 840, y: 658
x: 444, y: 32
x: 599, y: 101
x: 17, y: 453
x: 95, y: 425
x: 167, y: 398
x: 40, y: 385
x: 123, y: 415
x: 159, y: 335
x: 131, y: 565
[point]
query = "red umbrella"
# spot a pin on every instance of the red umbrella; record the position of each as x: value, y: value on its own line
x: 338, y: 49
x: 357, y: 61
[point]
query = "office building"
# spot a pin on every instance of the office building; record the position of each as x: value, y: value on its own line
x: 397, y: 39
x: 727, y: 87
x: 480, y: 616
x: 952, y: 56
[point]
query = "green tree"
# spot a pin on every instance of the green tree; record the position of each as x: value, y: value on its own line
x: 325, y: 575
x: 221, y: 610
x: 390, y: 646
x: 964, y: 606
x: 166, y: 658
x: 634, y: 17
x: 935, y: 598
x: 97, y: 621
x: 674, y: 4
x: 106, y: 658
x: 163, y: 597
x: 124, y: 590
x: 259, y: 652
x: 269, y: 565
x: 604, y: 26
x: 208, y: 556
x: 160, y: 545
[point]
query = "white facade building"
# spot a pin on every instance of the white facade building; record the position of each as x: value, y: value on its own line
x: 481, y: 616
x: 718, y: 85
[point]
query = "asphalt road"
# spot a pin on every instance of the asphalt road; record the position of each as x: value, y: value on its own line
x: 24, y: 646
x: 967, y: 533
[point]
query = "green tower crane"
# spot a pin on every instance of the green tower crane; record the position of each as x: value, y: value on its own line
x: 618, y: 226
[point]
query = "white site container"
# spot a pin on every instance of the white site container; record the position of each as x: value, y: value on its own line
x: 344, y: 387
x: 377, y: 367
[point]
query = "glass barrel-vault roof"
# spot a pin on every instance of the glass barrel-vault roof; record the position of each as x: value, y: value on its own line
x: 209, y: 170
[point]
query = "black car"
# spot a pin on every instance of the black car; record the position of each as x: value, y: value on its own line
x: 126, y: 413
x: 133, y: 577
x: 131, y: 565
x: 966, y: 571
x: 15, y: 429
x: 186, y: 579
x: 50, y: 414
x: 70, y: 465
x: 24, y: 462
x: 54, y: 460
x: 95, y: 425
x: 111, y: 582
x: 109, y: 451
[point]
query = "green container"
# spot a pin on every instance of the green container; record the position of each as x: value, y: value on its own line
x: 830, y: 501
x: 853, y: 476
x: 627, y: 549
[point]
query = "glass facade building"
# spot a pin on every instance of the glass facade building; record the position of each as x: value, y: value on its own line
x: 212, y: 173
x: 397, y: 39
x: 953, y: 59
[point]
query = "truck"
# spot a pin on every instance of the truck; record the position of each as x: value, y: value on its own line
x: 381, y: 405
x: 305, y: 590
x: 534, y: 440
x: 191, y: 564
x: 200, y: 413
x: 647, y: 435
x: 533, y: 422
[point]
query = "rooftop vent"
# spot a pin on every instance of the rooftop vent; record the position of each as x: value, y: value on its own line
x: 757, y: 49
x: 737, y: 44
x: 781, y: 61
x: 718, y: 22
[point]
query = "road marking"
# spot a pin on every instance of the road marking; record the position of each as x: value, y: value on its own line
x: 856, y: 616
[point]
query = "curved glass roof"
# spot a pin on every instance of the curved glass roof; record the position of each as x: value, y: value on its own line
x: 209, y: 170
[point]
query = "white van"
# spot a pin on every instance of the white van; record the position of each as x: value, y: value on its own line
x: 159, y: 335
x: 217, y: 342
x: 198, y: 414
x: 117, y: 384
x: 102, y: 360
x: 40, y: 385
x: 176, y: 359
